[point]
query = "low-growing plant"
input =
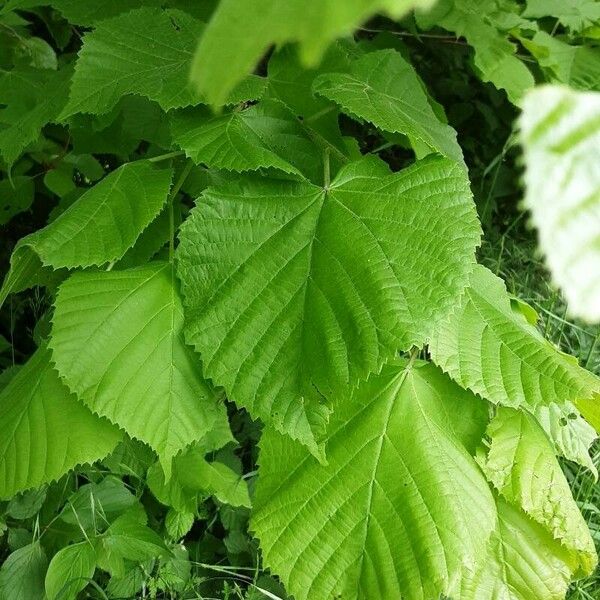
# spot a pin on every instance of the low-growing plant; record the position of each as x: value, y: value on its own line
x: 248, y: 298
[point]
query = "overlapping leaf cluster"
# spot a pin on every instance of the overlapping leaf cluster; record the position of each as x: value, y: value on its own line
x: 412, y: 411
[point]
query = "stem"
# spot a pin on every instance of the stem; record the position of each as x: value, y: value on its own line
x: 326, y: 170
x: 166, y: 156
x: 178, y: 184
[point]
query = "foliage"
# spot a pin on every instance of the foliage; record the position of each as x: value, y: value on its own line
x: 257, y: 351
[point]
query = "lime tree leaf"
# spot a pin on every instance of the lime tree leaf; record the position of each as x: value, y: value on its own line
x: 266, y: 135
x: 98, y: 228
x: 494, y: 55
x: 574, y: 14
x: 70, y: 570
x: 117, y: 342
x: 523, y: 561
x: 145, y: 51
x: 401, y: 506
x: 494, y: 351
x: 46, y: 430
x: 383, y: 88
x: 521, y: 465
x: 22, y: 573
x: 294, y: 291
x: 239, y: 33
x: 127, y: 538
x: 560, y: 132
x: 29, y: 99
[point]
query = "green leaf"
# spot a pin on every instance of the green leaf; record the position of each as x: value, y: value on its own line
x: 494, y: 351
x: 294, y: 291
x: 46, y: 430
x: 521, y: 465
x: 193, y: 475
x: 26, y: 504
x: 178, y: 523
x: 266, y: 135
x: 70, y: 570
x: 29, y: 99
x: 574, y: 14
x: 16, y: 196
x: 129, y: 539
x: 560, y: 133
x: 94, y: 506
x: 494, y: 55
x: 383, y: 88
x: 117, y: 341
x: 22, y: 573
x: 98, y: 228
x: 239, y: 33
x: 522, y: 562
x: 577, y: 66
x: 145, y: 51
x: 400, y: 508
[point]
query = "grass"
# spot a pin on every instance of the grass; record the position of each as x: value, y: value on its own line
x: 513, y: 255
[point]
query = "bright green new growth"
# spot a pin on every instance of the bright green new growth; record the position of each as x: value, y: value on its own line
x: 97, y: 229
x: 491, y: 349
x: 46, y: 430
x: 560, y: 131
x: 227, y: 53
x: 117, y: 342
x: 295, y: 291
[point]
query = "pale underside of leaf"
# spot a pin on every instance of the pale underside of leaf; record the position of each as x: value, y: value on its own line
x: 117, y: 342
x: 400, y: 508
x: 46, y: 430
x: 294, y: 292
x: 521, y: 464
x: 560, y: 132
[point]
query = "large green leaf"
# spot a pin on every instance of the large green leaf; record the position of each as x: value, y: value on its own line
x: 117, y: 341
x: 522, y: 562
x: 400, y: 508
x: 294, y: 291
x: 262, y: 136
x: 521, y: 465
x: 70, y: 570
x: 560, y: 131
x: 29, y: 99
x: 241, y: 31
x: 98, y: 228
x: 493, y: 350
x: 147, y: 51
x: 383, y: 88
x: 46, y: 430
x: 494, y: 55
